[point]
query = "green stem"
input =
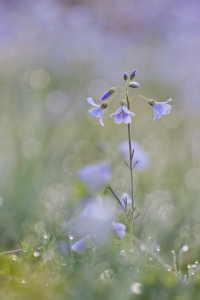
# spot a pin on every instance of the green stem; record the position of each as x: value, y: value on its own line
x: 132, y: 178
x: 138, y: 96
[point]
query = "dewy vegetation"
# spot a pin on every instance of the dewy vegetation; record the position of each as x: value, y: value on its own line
x: 107, y: 242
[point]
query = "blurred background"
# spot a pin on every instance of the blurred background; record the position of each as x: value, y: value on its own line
x: 55, y: 54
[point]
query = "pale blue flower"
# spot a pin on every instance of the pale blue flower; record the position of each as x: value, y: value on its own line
x: 123, y: 114
x: 95, y: 212
x: 95, y: 177
x: 119, y: 228
x: 79, y: 246
x: 122, y: 198
x: 98, y: 110
x: 139, y: 155
x: 96, y: 220
x: 160, y: 108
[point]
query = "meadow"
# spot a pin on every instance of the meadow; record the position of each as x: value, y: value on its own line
x: 57, y: 161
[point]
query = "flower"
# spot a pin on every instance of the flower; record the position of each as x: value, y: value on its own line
x: 123, y: 114
x: 79, y: 246
x: 94, y: 212
x: 98, y: 110
x: 139, y: 155
x: 94, y: 177
x: 108, y: 93
x: 95, y: 220
x: 119, y: 228
x: 160, y: 108
x: 124, y: 197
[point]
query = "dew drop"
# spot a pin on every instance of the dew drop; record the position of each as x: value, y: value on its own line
x: 158, y: 249
x: 123, y: 253
x: 71, y: 237
x: 36, y: 254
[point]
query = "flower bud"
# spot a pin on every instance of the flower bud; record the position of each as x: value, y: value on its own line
x: 133, y: 74
x: 125, y: 76
x: 108, y: 93
x: 104, y: 105
x: 134, y: 84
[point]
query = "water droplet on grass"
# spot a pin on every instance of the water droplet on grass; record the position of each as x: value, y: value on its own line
x: 36, y: 254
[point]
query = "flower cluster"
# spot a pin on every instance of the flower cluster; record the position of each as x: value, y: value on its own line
x: 123, y: 114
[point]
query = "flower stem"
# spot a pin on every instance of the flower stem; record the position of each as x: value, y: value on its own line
x: 132, y: 177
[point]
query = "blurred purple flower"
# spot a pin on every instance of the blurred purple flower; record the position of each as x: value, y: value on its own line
x: 96, y: 220
x: 119, y: 228
x: 79, y: 246
x: 160, y: 108
x: 123, y: 114
x: 98, y: 110
x: 95, y: 177
x: 62, y: 247
x: 139, y: 155
x: 108, y: 93
x: 124, y: 197
x: 94, y: 212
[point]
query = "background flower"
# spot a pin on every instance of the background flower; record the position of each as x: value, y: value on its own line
x: 96, y: 220
x: 95, y: 177
x: 79, y: 246
x: 139, y: 155
x: 119, y: 228
x: 124, y: 196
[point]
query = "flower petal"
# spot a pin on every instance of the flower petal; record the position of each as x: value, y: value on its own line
x: 117, y: 112
x: 170, y: 99
x: 96, y: 112
x: 90, y: 100
x: 119, y: 118
x: 128, y: 111
x: 119, y: 228
x: 79, y: 246
x: 100, y: 118
x: 126, y: 118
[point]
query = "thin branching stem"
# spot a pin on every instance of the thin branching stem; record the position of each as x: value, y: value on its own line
x: 138, y: 96
x: 124, y: 209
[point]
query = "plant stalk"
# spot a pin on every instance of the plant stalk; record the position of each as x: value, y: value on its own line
x: 132, y: 177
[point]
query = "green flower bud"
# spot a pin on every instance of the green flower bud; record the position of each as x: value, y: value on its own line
x: 134, y: 84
